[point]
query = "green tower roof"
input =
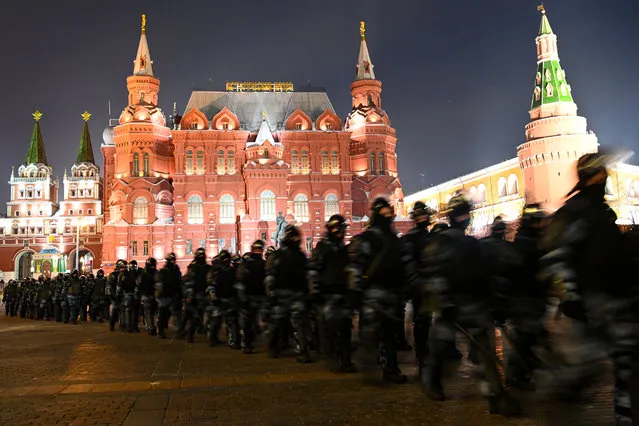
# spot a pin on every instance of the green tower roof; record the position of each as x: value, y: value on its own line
x: 550, y: 80
x: 85, y: 151
x: 544, y: 28
x: 36, y: 153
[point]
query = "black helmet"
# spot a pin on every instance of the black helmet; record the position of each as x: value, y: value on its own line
x: 224, y: 256
x: 498, y: 228
x: 590, y: 165
x: 200, y: 253
x: 269, y: 251
x: 290, y: 233
x: 459, y: 208
x: 133, y: 264
x: 258, y: 245
x: 170, y: 257
x: 336, y: 221
x: 75, y: 272
x: 121, y: 263
x: 379, y: 203
x: 151, y: 263
x: 100, y: 273
x: 420, y: 209
x: 439, y: 227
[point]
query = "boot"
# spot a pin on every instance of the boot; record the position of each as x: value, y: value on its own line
x: 504, y: 404
x: 395, y: 377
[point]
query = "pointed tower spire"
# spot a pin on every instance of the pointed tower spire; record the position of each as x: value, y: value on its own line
x: 544, y: 28
x: 143, y: 65
x: 264, y: 134
x: 550, y: 81
x: 365, y: 66
x: 85, y: 152
x: 36, y: 153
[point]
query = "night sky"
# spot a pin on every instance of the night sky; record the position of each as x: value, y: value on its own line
x: 457, y: 74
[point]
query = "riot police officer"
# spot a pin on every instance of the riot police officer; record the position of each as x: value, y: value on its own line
x: 135, y: 272
x: 287, y: 292
x: 146, y: 287
x: 329, y: 290
x: 99, y: 298
x: 223, y: 296
x: 382, y: 272
x: 457, y: 276
x: 169, y: 295
x: 416, y: 240
x: 75, y: 290
x: 251, y: 293
x: 114, y: 292
x: 194, y: 296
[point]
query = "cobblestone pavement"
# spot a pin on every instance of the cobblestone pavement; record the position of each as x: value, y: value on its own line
x: 83, y: 374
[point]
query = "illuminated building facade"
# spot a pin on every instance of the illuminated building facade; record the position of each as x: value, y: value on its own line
x: 544, y: 170
x: 220, y: 175
x: 40, y: 234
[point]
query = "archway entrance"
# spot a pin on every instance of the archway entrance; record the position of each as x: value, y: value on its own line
x: 24, y: 265
x: 86, y: 261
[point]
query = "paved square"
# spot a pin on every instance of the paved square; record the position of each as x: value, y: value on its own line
x: 83, y: 374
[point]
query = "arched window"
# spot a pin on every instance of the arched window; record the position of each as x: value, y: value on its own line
x: 304, y: 166
x: 136, y: 164
x: 266, y: 154
x: 513, y: 184
x: 230, y: 162
x: 145, y: 164
x: 300, y: 205
x: 195, y: 209
x: 189, y: 162
x: 267, y: 205
x: 199, y: 161
x: 382, y: 165
x: 220, y: 162
x: 502, y: 188
x: 372, y: 163
x: 227, y: 209
x: 295, y: 162
x: 334, y: 162
x: 325, y: 168
x: 331, y: 206
x: 481, y: 193
x: 140, y: 211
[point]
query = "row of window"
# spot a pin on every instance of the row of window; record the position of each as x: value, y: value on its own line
x: 145, y: 248
x: 300, y: 163
x: 195, y: 208
x: 376, y: 163
x: 136, y: 171
x: 29, y: 192
x: 80, y: 193
x: 38, y: 230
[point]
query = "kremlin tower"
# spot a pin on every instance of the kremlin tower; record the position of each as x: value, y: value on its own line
x: 138, y: 192
x: 556, y: 136
x: 372, y: 148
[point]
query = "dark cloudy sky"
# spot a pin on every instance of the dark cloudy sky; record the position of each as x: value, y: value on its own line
x: 457, y: 74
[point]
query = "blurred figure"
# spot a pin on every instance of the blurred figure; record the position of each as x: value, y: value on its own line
x: 168, y: 294
x: 223, y: 296
x: 588, y: 264
x: 146, y: 287
x: 457, y: 274
x: 287, y: 292
x: 251, y: 293
x: 382, y: 270
x: 329, y: 291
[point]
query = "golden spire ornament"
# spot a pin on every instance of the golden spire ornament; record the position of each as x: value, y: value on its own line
x: 263, y: 115
x: 362, y: 30
x: 541, y: 8
x: 85, y: 115
x: 143, y: 23
x: 37, y: 115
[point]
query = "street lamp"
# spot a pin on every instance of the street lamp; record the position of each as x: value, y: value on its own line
x: 77, y: 243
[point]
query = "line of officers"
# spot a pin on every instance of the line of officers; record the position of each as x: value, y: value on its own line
x: 457, y: 285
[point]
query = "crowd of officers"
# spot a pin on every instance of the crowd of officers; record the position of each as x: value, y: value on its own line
x: 458, y: 286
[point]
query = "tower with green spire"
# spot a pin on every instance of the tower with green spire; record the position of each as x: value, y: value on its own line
x: 34, y: 189
x: 555, y: 136
x: 85, y: 151
x: 550, y: 80
x: 83, y: 187
x: 36, y: 153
